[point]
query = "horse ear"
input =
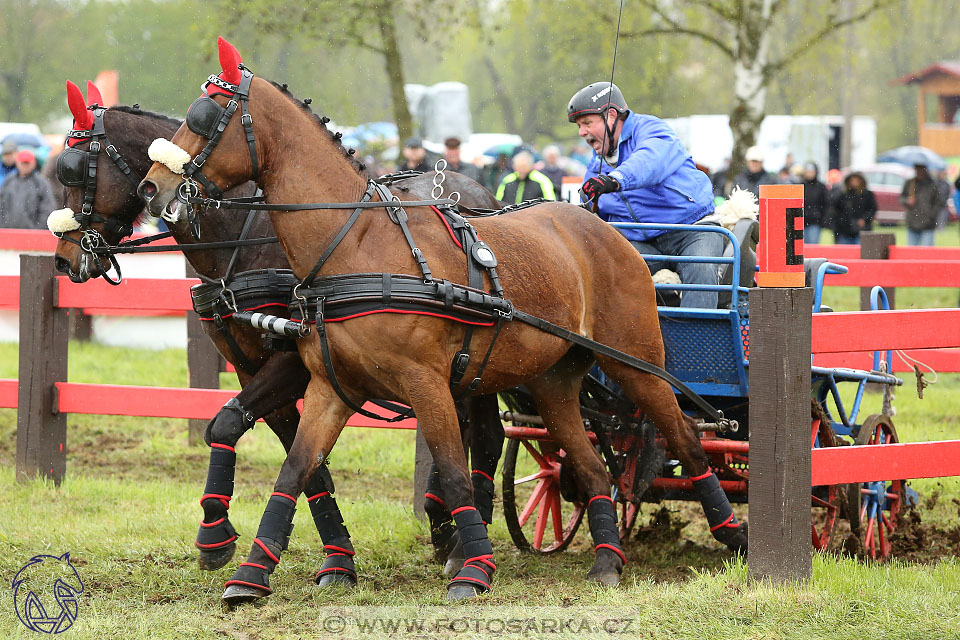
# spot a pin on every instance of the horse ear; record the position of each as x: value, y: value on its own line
x: 229, y: 61
x: 93, y: 94
x: 82, y: 119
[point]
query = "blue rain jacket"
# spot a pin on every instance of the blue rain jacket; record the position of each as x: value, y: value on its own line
x: 658, y: 179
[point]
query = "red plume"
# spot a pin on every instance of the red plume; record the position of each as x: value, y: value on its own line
x: 82, y: 119
x: 93, y: 94
x: 229, y: 59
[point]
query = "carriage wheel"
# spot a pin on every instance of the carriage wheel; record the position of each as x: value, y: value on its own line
x: 537, y: 516
x: 827, y: 500
x: 874, y: 507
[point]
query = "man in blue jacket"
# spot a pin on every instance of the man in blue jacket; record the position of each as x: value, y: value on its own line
x: 641, y: 172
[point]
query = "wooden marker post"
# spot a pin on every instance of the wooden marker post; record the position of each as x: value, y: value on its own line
x: 41, y: 428
x: 780, y: 318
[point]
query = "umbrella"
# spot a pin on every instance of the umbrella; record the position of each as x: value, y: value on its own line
x: 24, y: 139
x: 509, y: 149
x: 912, y: 155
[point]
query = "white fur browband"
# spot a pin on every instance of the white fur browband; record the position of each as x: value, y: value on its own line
x: 168, y: 154
x: 61, y: 221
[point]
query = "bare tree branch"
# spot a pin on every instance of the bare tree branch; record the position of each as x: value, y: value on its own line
x: 675, y: 28
x: 722, y: 9
x: 831, y: 25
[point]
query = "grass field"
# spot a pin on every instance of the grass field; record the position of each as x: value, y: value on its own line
x: 128, y: 514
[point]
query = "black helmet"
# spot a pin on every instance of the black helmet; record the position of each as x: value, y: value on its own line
x: 596, y: 98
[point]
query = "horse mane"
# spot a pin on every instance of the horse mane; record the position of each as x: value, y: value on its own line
x: 358, y: 166
x: 137, y: 111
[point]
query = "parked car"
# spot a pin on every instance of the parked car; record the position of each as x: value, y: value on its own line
x: 886, y: 180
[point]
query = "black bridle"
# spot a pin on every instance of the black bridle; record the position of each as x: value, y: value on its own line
x: 207, y: 118
x: 76, y: 167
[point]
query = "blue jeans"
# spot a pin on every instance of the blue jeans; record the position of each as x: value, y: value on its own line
x: 920, y: 238
x: 687, y: 243
x: 811, y: 234
x: 845, y: 239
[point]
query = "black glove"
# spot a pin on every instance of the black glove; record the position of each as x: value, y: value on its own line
x: 598, y: 185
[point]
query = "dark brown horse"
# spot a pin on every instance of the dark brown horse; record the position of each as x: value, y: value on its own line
x: 271, y: 381
x: 556, y: 261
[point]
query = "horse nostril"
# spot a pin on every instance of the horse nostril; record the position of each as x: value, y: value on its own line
x: 147, y: 190
x: 62, y: 264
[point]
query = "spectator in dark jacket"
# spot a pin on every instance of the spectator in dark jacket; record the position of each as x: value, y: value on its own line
x: 853, y: 210
x: 815, y: 204
x: 754, y: 175
x: 456, y: 163
x: 25, y: 197
x: 921, y: 198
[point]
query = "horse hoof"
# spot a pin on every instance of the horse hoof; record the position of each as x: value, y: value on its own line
x: 461, y: 591
x: 337, y: 579
x: 216, y: 558
x: 238, y: 594
x: 606, y: 578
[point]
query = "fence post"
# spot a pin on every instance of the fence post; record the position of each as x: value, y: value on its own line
x: 41, y: 429
x: 779, y: 489
x: 875, y: 245
x: 203, y: 364
x: 779, y: 413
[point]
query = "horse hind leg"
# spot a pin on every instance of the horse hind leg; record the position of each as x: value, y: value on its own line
x: 655, y: 397
x: 557, y: 398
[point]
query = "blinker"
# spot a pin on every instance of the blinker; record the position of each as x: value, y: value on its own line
x: 72, y: 167
x: 203, y: 116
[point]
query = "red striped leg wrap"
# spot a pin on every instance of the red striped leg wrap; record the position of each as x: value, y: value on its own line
x: 603, y: 525
x: 216, y: 530
x: 478, y: 568
x: 336, y: 538
x: 723, y: 524
x: 272, y: 538
x: 483, y: 494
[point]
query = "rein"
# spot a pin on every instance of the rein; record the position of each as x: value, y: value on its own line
x: 306, y: 295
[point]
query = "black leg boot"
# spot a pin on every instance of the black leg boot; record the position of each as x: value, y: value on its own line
x: 252, y: 579
x: 476, y: 576
x: 716, y: 506
x: 610, y: 559
x: 338, y: 567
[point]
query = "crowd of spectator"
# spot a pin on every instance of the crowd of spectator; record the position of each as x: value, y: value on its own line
x: 844, y: 204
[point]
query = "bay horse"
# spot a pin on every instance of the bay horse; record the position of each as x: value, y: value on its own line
x: 271, y: 381
x: 555, y: 261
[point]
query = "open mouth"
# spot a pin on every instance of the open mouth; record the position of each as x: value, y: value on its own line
x: 171, y: 213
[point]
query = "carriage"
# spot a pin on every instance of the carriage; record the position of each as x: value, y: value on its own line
x: 708, y: 349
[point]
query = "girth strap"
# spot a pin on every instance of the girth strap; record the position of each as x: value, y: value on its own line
x: 332, y: 374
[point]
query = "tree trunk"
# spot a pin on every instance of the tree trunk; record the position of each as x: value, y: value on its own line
x: 394, y: 64
x: 750, y: 82
x: 502, y: 95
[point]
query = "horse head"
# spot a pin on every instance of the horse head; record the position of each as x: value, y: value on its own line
x: 240, y: 123
x: 101, y: 201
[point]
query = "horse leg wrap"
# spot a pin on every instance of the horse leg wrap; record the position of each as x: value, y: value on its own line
x: 716, y: 506
x: 483, y: 494
x: 216, y: 530
x: 603, y: 526
x: 231, y: 422
x: 276, y: 525
x: 329, y: 521
x: 478, y: 568
x: 442, y: 528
